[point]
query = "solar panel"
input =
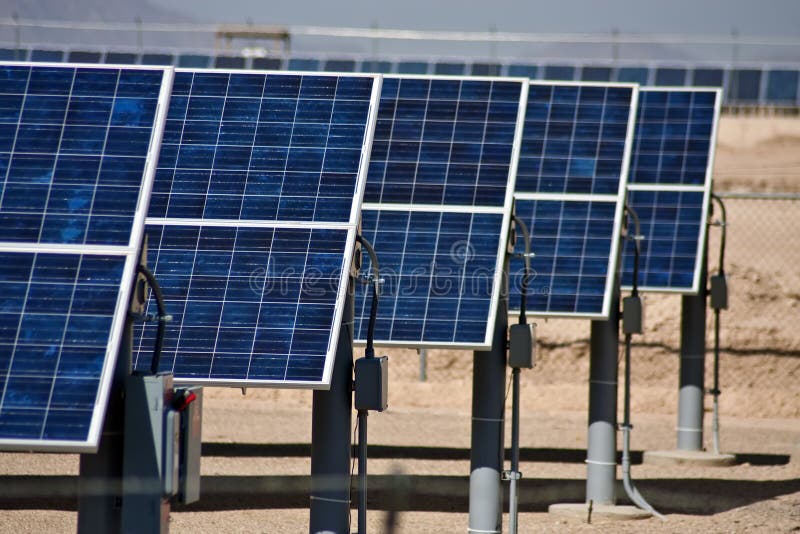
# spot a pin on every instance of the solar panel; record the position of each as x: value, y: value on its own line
x: 252, y: 223
x: 437, y: 207
x: 76, y: 172
x: 670, y: 185
x: 570, y: 193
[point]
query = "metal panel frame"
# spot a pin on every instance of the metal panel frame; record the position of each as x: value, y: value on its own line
x: 505, y: 210
x: 352, y: 226
x: 614, y: 259
x: 705, y: 188
x: 130, y: 252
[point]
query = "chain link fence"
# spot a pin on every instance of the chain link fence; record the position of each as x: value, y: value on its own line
x: 759, y: 334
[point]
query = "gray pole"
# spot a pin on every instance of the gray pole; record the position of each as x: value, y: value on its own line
x: 601, y: 453
x: 100, y: 475
x: 693, y: 365
x: 330, y: 437
x: 488, y: 406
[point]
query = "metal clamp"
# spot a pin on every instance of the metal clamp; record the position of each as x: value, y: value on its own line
x: 150, y: 317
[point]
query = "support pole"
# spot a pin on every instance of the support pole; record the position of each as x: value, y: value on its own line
x: 692, y: 367
x: 513, y: 494
x: 330, y: 437
x: 488, y: 406
x: 601, y: 453
x: 100, y: 478
x: 362, y: 471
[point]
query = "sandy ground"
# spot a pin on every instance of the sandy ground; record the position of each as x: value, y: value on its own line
x: 258, y: 443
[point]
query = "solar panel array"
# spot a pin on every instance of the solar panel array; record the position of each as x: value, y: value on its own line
x: 437, y: 207
x: 670, y: 186
x: 76, y: 174
x: 252, y: 223
x: 570, y: 193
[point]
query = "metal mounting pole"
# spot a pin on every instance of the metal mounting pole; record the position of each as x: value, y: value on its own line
x: 330, y: 437
x: 513, y: 495
x: 100, y: 478
x: 488, y: 407
x: 692, y: 367
x: 601, y: 453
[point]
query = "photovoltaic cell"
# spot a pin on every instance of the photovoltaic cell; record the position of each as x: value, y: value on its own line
x: 252, y: 223
x: 670, y: 186
x: 570, y: 193
x: 437, y: 207
x: 75, y: 177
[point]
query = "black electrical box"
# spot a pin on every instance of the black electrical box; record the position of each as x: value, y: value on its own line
x: 372, y: 383
x: 719, y: 292
x: 632, y: 315
x: 521, y: 339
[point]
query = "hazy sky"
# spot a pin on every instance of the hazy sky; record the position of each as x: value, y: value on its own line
x: 766, y: 17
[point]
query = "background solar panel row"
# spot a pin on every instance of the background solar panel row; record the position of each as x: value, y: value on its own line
x: 670, y: 185
x: 75, y: 178
x: 570, y: 192
x: 745, y: 86
x: 437, y: 207
x: 252, y: 223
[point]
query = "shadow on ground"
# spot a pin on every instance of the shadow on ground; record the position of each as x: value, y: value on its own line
x: 527, y: 454
x: 412, y: 492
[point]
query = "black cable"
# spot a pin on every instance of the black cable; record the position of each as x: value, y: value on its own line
x: 162, y: 316
x: 526, y: 236
x: 636, y: 248
x: 369, y: 351
x: 723, y: 235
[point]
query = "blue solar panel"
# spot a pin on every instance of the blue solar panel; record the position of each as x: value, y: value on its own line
x: 443, y: 142
x: 438, y: 270
x: 248, y: 303
x: 252, y: 223
x: 570, y: 192
x: 673, y: 137
x: 671, y: 169
x: 671, y: 223
x: 437, y: 207
x: 74, y: 145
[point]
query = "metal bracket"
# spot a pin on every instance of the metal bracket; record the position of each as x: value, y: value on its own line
x: 150, y: 317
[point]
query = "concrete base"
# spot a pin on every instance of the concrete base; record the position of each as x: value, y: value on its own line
x: 679, y: 457
x: 600, y: 512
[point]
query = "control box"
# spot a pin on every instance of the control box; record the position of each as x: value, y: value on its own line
x: 719, y: 292
x: 372, y: 383
x: 632, y: 315
x: 521, y: 345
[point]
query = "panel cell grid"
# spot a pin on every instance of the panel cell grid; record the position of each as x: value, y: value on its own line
x: 75, y: 176
x: 73, y: 147
x: 252, y: 223
x: 437, y: 207
x: 262, y: 147
x: 671, y: 223
x: 671, y: 186
x: 572, y: 241
x: 574, y: 139
x: 438, y: 270
x: 443, y: 142
x: 673, y: 137
x: 248, y: 303
x: 570, y: 193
